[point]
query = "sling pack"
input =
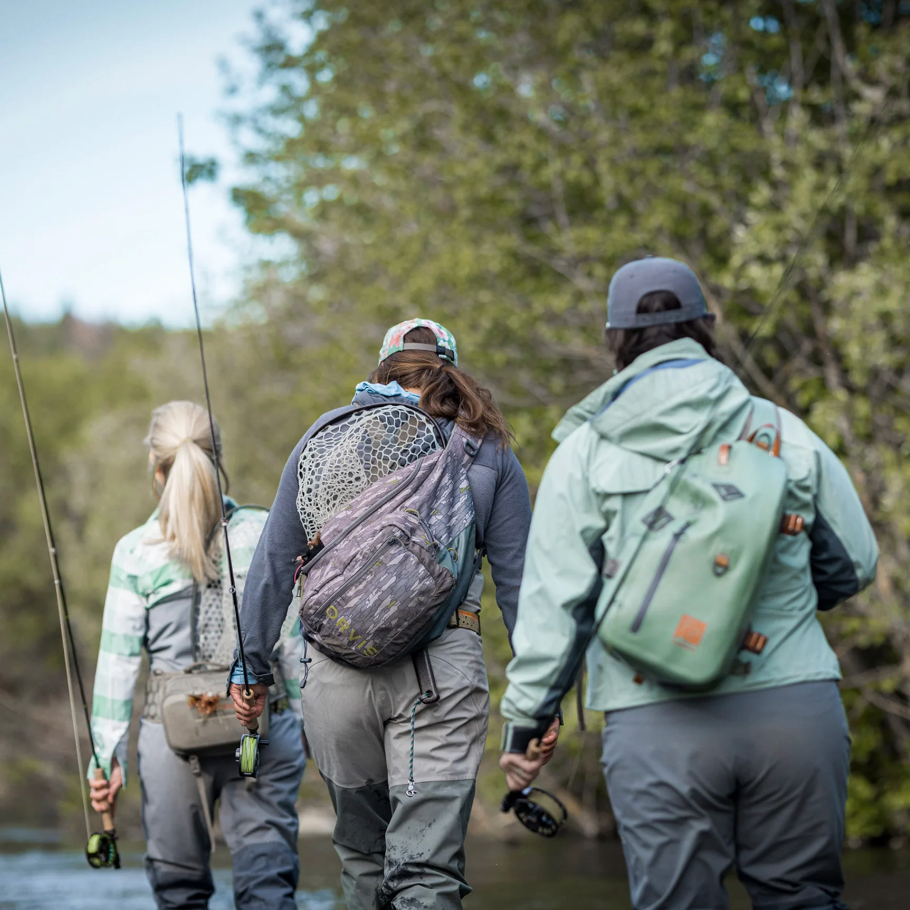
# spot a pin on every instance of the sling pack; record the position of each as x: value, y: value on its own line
x: 388, y: 569
x: 678, y: 598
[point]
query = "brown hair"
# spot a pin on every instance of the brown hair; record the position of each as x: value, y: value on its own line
x: 445, y: 391
x: 627, y: 344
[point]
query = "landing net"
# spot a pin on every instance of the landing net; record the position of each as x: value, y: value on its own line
x: 216, y: 628
x: 343, y: 459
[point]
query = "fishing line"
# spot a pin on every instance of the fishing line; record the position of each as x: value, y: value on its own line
x: 70, y: 657
x: 248, y: 753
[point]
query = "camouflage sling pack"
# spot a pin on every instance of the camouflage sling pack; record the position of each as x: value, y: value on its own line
x: 397, y: 550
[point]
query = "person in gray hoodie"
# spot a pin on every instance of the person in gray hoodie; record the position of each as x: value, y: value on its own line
x: 398, y: 848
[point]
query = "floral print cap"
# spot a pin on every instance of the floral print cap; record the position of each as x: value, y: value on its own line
x: 394, y: 340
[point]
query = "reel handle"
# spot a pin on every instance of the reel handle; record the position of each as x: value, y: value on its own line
x: 107, y: 817
x: 250, y: 699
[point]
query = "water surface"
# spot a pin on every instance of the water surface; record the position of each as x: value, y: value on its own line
x: 39, y: 872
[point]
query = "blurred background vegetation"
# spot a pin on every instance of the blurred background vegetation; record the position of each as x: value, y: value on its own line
x: 489, y: 165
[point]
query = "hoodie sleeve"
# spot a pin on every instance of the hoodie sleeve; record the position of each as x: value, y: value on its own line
x: 844, y: 553
x: 506, y: 535
x: 270, y: 582
x: 559, y: 591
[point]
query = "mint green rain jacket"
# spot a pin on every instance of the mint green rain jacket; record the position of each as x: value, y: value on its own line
x: 613, y: 449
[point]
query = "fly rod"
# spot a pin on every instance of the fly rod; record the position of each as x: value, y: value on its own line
x: 248, y: 751
x: 101, y: 847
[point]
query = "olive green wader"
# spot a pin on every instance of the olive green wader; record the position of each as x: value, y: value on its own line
x: 398, y: 850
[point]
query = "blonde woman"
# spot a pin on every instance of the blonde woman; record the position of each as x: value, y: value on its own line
x: 168, y: 594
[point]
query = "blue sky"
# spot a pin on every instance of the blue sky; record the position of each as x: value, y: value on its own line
x: 90, y: 207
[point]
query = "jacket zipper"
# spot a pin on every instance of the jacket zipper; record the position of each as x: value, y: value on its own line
x: 360, y: 573
x: 658, y: 575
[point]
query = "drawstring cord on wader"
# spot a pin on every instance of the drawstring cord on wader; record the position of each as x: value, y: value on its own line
x: 247, y: 753
x: 101, y: 847
x: 420, y: 700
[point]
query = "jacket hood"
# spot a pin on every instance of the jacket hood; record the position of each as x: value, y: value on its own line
x: 368, y: 393
x: 671, y: 411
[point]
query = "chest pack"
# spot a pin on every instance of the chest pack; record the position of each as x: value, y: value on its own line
x: 397, y: 550
x: 678, y: 599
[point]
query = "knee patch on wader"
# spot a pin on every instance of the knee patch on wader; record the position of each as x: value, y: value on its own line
x: 363, y: 815
x: 179, y: 887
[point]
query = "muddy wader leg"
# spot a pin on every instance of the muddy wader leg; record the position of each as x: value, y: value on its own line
x: 362, y: 817
x: 400, y: 851
x: 344, y: 716
x: 178, y: 849
x: 425, y: 860
x: 259, y: 820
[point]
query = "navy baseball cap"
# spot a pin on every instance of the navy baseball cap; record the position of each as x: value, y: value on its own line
x: 645, y: 276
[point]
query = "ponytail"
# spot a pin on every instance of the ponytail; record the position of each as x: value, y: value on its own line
x: 446, y: 391
x: 180, y: 441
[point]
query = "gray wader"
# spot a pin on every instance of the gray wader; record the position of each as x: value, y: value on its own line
x: 757, y: 780
x: 396, y: 850
x: 258, y: 819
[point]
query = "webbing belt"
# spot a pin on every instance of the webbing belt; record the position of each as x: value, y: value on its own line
x: 464, y: 619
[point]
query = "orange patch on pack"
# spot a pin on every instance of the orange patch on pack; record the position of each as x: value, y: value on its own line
x: 689, y: 631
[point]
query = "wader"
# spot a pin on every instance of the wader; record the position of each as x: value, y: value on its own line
x: 754, y: 779
x: 258, y: 818
x: 397, y: 850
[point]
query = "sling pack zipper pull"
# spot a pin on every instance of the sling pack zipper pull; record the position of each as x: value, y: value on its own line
x: 658, y: 575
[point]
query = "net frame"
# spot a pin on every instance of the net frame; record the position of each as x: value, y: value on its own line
x: 345, y: 457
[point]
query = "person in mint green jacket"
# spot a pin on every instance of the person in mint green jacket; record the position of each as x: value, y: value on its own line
x: 753, y: 774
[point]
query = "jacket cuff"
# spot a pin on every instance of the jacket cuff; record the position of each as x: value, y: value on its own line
x: 235, y: 676
x: 516, y: 738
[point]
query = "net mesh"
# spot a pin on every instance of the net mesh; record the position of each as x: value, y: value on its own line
x: 216, y: 630
x: 344, y: 458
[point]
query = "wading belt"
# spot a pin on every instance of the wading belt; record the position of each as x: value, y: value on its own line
x: 464, y: 619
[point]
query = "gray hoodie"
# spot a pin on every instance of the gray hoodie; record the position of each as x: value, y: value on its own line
x: 502, y: 508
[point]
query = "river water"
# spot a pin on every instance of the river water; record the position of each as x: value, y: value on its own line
x: 39, y: 872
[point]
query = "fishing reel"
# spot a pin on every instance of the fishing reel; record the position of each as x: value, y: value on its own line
x: 101, y: 850
x: 535, y: 817
x: 247, y: 754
